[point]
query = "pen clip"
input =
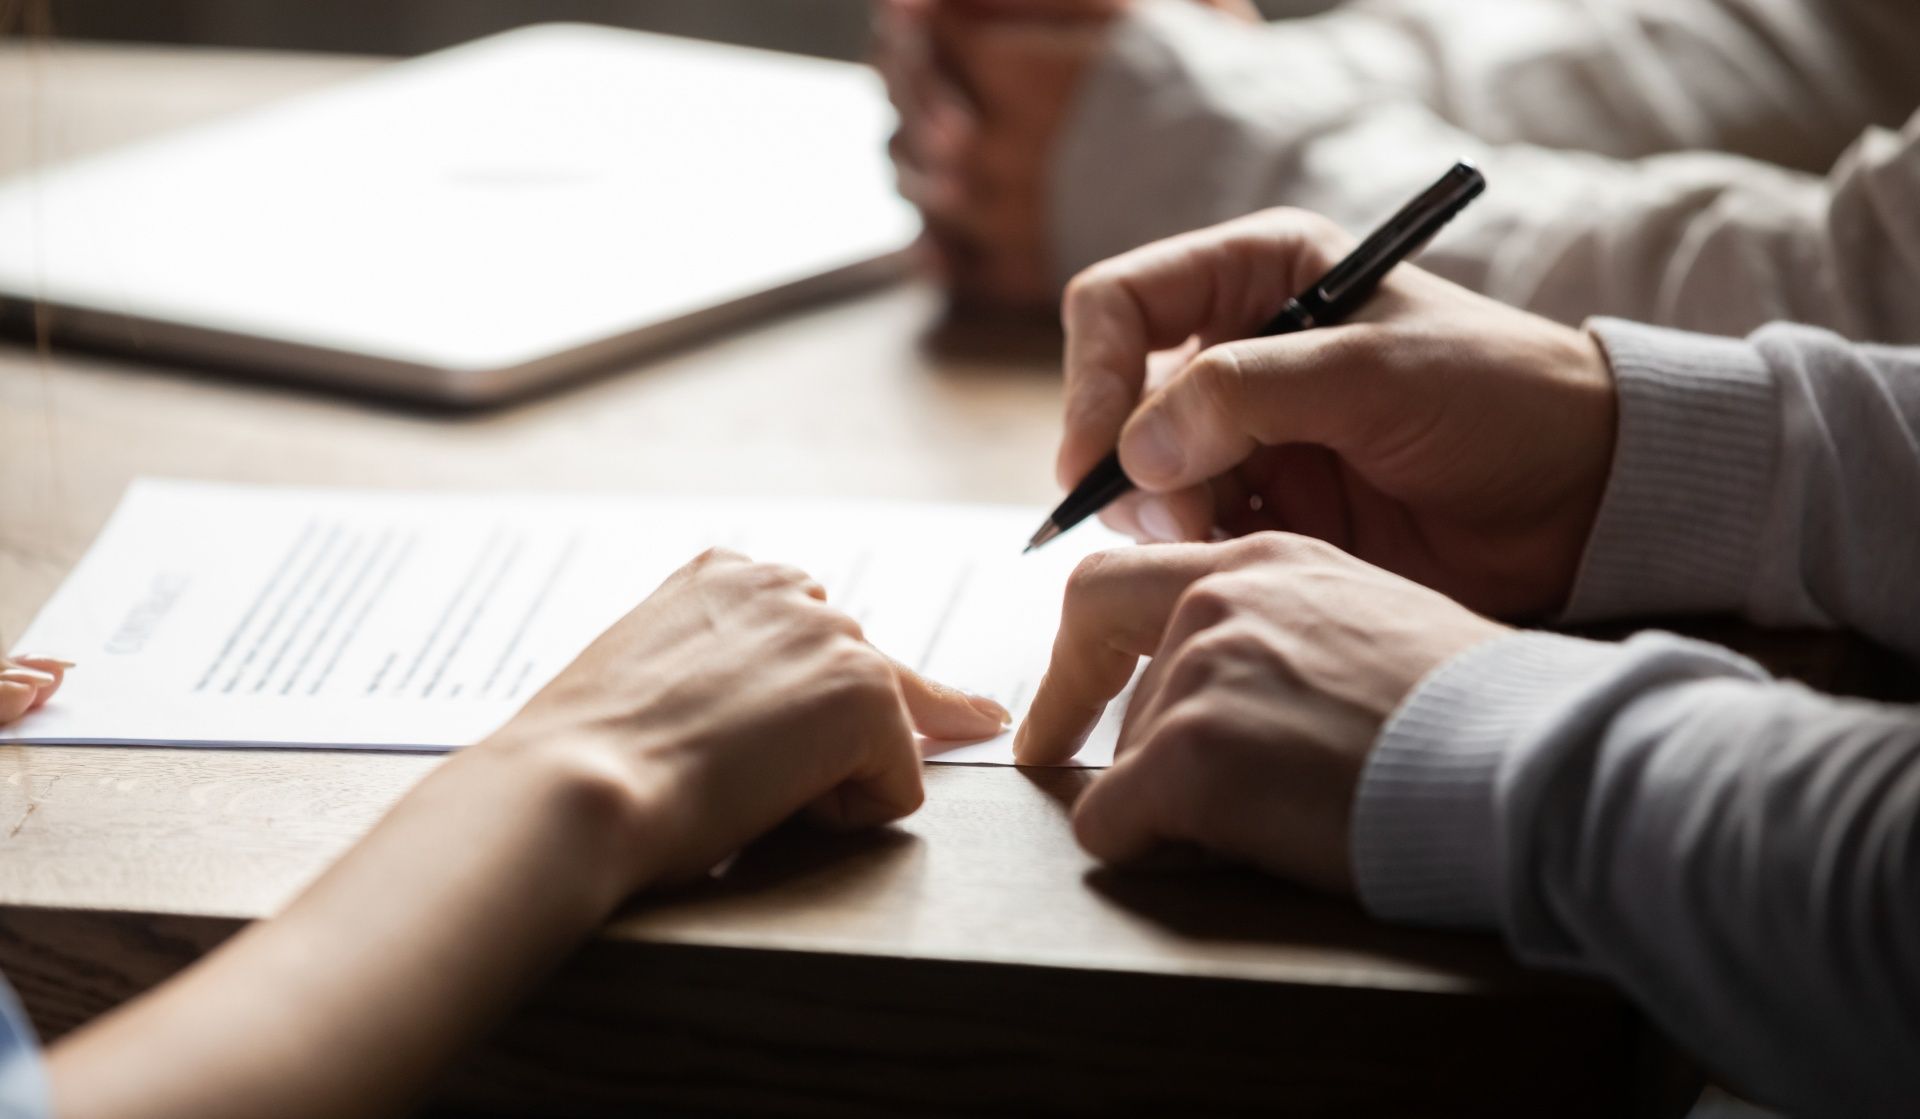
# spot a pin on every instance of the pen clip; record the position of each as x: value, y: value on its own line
x: 1403, y: 234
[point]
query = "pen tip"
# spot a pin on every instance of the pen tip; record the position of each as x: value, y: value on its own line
x: 1047, y: 532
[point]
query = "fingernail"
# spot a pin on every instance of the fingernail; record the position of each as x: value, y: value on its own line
x: 1158, y: 522
x: 1000, y: 715
x: 1151, y: 450
x: 29, y: 676
x: 1020, y: 742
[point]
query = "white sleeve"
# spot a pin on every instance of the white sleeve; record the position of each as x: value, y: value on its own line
x: 1787, y: 81
x: 1190, y: 121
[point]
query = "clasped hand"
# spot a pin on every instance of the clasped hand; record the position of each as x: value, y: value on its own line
x: 983, y: 89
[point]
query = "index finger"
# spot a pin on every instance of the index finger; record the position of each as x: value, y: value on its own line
x: 942, y: 711
x: 1216, y: 284
x: 1116, y: 607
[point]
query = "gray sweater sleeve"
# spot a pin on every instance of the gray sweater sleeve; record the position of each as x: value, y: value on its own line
x: 1741, y: 856
x: 1777, y: 478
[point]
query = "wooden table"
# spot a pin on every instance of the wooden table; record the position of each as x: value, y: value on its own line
x: 972, y: 960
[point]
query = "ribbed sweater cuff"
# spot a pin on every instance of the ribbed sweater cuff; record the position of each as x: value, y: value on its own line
x: 1679, y: 527
x: 1428, y: 842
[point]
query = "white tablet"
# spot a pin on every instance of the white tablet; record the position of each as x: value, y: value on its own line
x: 475, y: 223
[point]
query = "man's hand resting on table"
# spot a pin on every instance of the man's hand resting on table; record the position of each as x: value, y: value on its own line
x: 1439, y: 434
x: 983, y: 88
x: 1276, y: 659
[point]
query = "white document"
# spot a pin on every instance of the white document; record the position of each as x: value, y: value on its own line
x: 222, y: 615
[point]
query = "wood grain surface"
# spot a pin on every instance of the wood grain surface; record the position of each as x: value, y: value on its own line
x: 970, y: 961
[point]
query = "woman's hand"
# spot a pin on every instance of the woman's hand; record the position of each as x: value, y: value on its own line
x: 27, y: 683
x: 731, y: 698
x: 1440, y: 435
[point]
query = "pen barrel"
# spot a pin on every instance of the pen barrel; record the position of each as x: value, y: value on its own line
x: 1295, y: 317
x: 1105, y: 483
x: 1338, y: 293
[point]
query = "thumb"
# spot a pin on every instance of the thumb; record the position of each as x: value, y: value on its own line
x: 1326, y: 387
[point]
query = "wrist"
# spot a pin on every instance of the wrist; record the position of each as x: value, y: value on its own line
x: 573, y: 798
x: 1583, y: 444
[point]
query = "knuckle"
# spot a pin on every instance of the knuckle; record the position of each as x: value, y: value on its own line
x: 1320, y: 232
x: 1088, y: 288
x: 772, y: 576
x: 1088, y: 574
x: 1190, y: 747
x: 1226, y: 643
x: 841, y: 624
x: 812, y: 621
x: 1307, y: 243
x: 1319, y: 228
x: 716, y: 557
x: 1316, y: 239
x: 1218, y: 374
x: 1275, y: 547
x: 1210, y: 600
x: 857, y: 671
x: 1190, y: 734
x: 1221, y: 652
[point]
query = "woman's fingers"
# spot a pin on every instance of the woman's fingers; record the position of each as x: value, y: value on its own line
x: 887, y: 791
x: 21, y: 674
x: 27, y: 683
x: 940, y: 711
x: 15, y: 700
x: 884, y: 784
x: 45, y: 664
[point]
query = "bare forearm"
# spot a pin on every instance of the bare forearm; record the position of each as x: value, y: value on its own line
x: 375, y: 977
x: 719, y: 706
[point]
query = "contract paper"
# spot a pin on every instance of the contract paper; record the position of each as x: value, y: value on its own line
x: 223, y: 615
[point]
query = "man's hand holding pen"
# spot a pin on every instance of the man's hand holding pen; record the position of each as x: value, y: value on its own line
x: 1409, y: 436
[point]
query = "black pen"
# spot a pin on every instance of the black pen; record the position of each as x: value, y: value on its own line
x: 1335, y: 296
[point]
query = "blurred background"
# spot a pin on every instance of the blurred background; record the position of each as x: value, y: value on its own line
x: 832, y: 28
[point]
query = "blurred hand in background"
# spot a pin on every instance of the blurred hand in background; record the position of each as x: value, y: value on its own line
x: 983, y: 89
